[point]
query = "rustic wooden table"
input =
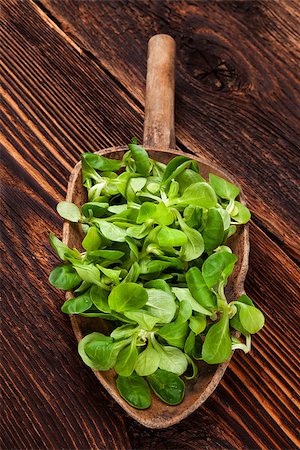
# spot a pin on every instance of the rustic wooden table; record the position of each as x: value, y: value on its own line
x: 73, y: 81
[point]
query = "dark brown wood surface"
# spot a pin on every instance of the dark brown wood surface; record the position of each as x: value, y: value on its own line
x: 73, y: 80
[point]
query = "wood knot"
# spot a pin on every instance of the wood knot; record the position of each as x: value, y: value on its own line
x: 212, y: 65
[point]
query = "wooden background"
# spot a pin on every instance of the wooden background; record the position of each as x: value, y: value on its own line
x: 73, y: 80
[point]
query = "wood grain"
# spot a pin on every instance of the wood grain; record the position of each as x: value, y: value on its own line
x: 59, y: 101
x: 236, y: 85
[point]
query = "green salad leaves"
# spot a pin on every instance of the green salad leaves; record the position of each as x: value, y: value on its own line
x: 155, y: 261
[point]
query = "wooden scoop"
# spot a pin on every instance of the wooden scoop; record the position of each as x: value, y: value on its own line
x: 159, y: 140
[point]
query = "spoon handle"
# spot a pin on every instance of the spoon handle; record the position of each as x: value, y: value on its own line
x: 159, y: 130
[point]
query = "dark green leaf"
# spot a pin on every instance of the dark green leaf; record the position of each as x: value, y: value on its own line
x: 64, y: 277
x: 134, y: 390
x: 77, y: 305
x: 94, y: 209
x: 167, y: 386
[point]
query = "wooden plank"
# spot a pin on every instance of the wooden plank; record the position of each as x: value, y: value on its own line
x: 236, y: 85
x: 57, y: 103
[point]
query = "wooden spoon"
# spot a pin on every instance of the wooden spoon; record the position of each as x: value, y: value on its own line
x: 159, y: 140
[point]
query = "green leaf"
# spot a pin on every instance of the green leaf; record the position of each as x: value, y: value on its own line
x: 147, y: 362
x: 92, y: 240
x: 84, y: 286
x: 126, y: 360
x: 198, y: 194
x: 158, y: 284
x: 170, y: 237
x: 187, y: 178
x: 223, y: 188
x: 190, y: 344
x: 134, y: 390
x: 134, y: 185
x: 64, y: 277
x: 194, y: 246
x: 117, y: 209
x: 77, y: 305
x: 153, y: 266
x: 172, y: 360
x: 88, y: 272
x: 142, y: 161
x: 240, y: 213
x: 99, y: 298
x: 98, y: 351
x: 174, y: 333
x: 213, y: 232
x: 197, y: 324
x: 183, y: 294
x: 127, y: 297
x: 185, y: 312
x: 226, y: 219
x: 163, y: 215
x: 112, y: 274
x: 89, y: 174
x: 172, y: 165
x: 193, y: 216
x: 147, y: 211
x: 133, y: 273
x: 101, y: 163
x: 217, y: 345
x: 192, y: 370
x: 68, y: 211
x: 112, y: 255
x: 161, y: 304
x: 94, y: 209
x: 235, y: 323
x: 62, y: 250
x: 111, y: 231
x: 139, y: 231
x: 145, y: 320
x: 217, y: 267
x: 199, y: 290
x: 123, y: 332
x: 167, y: 386
x: 251, y: 318
x: 245, y: 299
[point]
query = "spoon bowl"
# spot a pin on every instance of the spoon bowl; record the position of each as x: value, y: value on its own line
x: 159, y: 141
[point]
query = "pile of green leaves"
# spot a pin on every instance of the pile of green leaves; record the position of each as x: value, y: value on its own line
x: 154, y: 262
